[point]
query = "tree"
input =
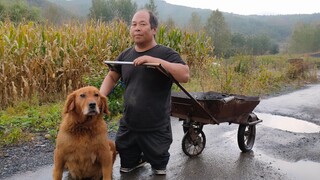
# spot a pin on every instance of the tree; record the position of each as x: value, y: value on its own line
x: 274, y: 49
x: 260, y: 44
x: 2, y: 12
x: 238, y: 44
x: 107, y: 10
x: 52, y: 14
x: 1, y: 8
x: 253, y: 45
x: 19, y: 10
x: 170, y: 23
x: 101, y: 10
x: 218, y: 30
x: 195, y: 23
x: 125, y: 9
x: 305, y: 38
x: 152, y: 7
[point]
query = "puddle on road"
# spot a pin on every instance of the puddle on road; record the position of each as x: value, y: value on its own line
x: 303, y: 169
x: 288, y: 123
x: 300, y: 170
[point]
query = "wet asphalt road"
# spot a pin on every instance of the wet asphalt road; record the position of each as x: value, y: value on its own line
x: 277, y: 153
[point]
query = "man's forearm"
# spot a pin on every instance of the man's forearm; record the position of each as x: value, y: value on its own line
x: 108, y: 83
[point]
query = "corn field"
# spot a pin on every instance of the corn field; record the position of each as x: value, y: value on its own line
x: 46, y: 62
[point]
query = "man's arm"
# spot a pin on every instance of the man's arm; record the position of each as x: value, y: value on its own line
x: 109, y: 82
x: 180, y: 72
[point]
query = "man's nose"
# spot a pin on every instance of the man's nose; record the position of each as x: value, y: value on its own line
x: 137, y: 29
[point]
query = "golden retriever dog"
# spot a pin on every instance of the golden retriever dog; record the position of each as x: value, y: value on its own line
x: 82, y: 144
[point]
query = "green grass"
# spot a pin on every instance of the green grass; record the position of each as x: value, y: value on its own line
x: 20, y: 123
x: 25, y: 120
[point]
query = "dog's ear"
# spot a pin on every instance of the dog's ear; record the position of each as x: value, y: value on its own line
x: 104, y: 105
x: 70, y: 103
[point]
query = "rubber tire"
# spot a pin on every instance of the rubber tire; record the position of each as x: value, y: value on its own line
x: 186, y: 144
x: 246, y: 137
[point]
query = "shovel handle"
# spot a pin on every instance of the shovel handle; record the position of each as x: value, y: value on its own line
x: 130, y: 63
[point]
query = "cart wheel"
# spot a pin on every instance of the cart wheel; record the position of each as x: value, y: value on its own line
x: 193, y: 142
x: 246, y: 136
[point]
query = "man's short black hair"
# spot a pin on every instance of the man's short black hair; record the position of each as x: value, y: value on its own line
x: 153, y: 20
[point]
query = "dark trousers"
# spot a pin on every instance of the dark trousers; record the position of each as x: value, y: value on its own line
x: 151, y: 146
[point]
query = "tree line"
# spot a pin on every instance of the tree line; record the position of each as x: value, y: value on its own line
x: 303, y: 39
x: 18, y: 10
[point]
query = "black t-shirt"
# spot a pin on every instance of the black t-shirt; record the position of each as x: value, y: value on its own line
x: 147, y: 96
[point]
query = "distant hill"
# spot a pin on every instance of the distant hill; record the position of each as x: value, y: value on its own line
x: 61, y: 14
x: 277, y: 27
x: 77, y: 7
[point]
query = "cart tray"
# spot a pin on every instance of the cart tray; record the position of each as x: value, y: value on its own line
x: 223, y: 107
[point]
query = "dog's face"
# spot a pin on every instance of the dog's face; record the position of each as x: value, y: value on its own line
x: 87, y: 101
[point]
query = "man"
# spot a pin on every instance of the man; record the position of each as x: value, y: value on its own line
x: 144, y: 133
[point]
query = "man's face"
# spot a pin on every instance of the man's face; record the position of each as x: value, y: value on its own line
x: 140, y: 29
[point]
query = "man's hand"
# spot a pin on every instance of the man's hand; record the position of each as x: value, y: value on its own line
x: 145, y: 59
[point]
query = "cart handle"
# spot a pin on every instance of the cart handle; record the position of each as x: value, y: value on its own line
x: 164, y: 71
x: 228, y: 99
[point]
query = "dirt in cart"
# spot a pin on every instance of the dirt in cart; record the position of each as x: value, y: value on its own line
x: 279, y: 152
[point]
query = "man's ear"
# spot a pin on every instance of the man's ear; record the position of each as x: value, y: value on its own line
x: 70, y: 103
x: 154, y: 30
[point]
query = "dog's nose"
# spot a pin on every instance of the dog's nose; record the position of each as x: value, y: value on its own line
x: 92, y: 105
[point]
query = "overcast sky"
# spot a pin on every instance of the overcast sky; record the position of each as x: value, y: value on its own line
x: 258, y: 7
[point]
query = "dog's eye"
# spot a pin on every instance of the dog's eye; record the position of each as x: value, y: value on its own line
x: 96, y: 95
x: 82, y: 95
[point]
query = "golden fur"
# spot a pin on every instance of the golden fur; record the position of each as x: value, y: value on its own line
x: 82, y: 144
